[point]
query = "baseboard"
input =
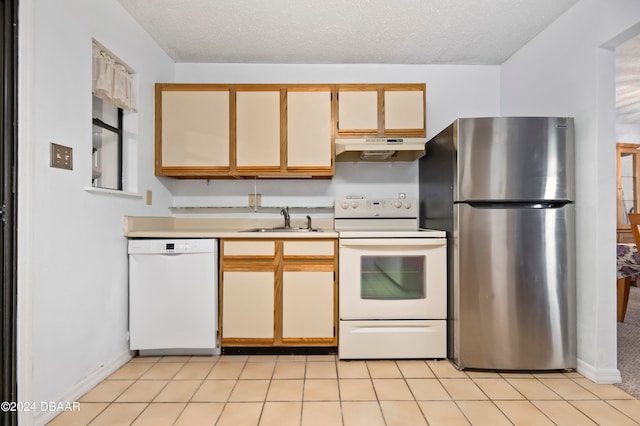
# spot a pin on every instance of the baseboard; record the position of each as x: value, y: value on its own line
x: 600, y: 376
x: 43, y: 417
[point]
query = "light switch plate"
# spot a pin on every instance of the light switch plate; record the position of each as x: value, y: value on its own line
x: 61, y: 156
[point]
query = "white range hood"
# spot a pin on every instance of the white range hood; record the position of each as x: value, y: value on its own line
x: 380, y: 149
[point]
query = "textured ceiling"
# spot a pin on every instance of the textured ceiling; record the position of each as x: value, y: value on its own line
x: 466, y: 32
x: 344, y: 31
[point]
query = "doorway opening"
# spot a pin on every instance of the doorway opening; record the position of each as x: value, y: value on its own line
x: 628, y: 172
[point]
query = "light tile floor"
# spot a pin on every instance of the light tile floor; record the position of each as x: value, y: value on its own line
x: 321, y: 390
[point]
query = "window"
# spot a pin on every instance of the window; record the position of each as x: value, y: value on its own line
x: 107, y: 145
x: 113, y: 93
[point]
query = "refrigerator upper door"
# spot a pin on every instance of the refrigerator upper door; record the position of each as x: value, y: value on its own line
x: 514, y: 287
x: 515, y: 158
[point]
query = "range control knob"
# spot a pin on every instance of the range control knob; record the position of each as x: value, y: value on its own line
x: 397, y: 203
x: 345, y: 205
x: 407, y: 204
x: 354, y: 204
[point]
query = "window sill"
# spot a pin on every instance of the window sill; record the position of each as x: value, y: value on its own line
x: 113, y: 192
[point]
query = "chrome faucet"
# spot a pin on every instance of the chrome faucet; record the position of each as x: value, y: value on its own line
x: 309, y: 227
x: 287, y: 219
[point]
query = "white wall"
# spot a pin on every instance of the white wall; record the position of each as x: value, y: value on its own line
x: 73, y: 263
x: 452, y: 92
x: 627, y: 132
x: 566, y: 71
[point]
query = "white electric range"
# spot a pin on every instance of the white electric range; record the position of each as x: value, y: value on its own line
x: 393, y: 281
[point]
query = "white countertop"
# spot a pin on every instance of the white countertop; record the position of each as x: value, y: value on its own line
x: 170, y: 227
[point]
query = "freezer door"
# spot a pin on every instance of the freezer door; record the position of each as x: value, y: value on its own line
x: 514, y: 288
x: 515, y: 158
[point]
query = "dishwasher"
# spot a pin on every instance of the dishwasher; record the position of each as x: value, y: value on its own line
x: 173, y: 288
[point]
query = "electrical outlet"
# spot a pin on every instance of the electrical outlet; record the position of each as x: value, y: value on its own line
x: 61, y: 157
x: 149, y: 197
x: 255, y: 200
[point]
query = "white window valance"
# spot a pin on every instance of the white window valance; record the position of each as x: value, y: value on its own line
x: 111, y: 80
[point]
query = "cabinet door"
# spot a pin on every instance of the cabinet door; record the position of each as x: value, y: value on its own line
x: 195, y: 128
x: 258, y: 129
x: 248, y: 304
x: 309, y: 129
x: 357, y: 111
x: 404, y: 111
x: 307, y: 304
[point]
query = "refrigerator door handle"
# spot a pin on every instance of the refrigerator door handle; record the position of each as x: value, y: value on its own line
x: 538, y: 204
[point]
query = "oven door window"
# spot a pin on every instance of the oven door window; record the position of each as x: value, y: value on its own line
x: 392, y: 277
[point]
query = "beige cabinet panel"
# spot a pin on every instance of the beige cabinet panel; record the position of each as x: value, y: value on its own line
x: 307, y: 304
x: 358, y: 110
x: 257, y: 128
x: 308, y: 129
x: 308, y: 248
x: 195, y: 128
x: 249, y: 248
x: 403, y: 109
x: 248, y: 303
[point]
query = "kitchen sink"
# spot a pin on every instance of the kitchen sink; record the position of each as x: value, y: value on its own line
x: 282, y: 229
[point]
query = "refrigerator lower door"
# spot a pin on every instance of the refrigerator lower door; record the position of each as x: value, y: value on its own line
x: 514, y: 287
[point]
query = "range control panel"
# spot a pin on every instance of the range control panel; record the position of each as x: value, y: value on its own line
x: 376, y: 208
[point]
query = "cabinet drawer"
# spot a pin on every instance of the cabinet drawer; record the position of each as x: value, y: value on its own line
x: 248, y: 248
x: 309, y: 248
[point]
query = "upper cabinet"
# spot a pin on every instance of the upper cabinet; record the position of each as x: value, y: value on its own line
x: 192, y: 130
x: 358, y: 110
x: 309, y: 138
x: 383, y: 110
x: 258, y: 131
x: 404, y: 110
x: 271, y: 130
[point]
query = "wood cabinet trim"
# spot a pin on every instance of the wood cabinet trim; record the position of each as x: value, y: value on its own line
x: 158, y: 170
x: 185, y: 87
x: 283, y: 130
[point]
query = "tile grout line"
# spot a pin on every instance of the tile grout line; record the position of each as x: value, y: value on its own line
x: 190, y: 400
x: 128, y: 387
x: 411, y: 391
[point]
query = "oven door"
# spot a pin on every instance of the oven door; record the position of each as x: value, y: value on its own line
x: 393, y: 278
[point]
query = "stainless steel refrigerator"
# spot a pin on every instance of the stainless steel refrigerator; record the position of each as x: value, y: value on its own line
x: 503, y: 190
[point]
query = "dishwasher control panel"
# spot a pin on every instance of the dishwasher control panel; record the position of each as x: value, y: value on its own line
x: 153, y: 246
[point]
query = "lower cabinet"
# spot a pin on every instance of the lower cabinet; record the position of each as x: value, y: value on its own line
x: 248, y: 304
x: 278, y: 292
x: 307, y: 305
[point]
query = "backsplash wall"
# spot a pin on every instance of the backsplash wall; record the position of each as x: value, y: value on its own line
x: 366, y: 179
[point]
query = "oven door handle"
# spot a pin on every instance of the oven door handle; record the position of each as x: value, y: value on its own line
x: 393, y: 242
